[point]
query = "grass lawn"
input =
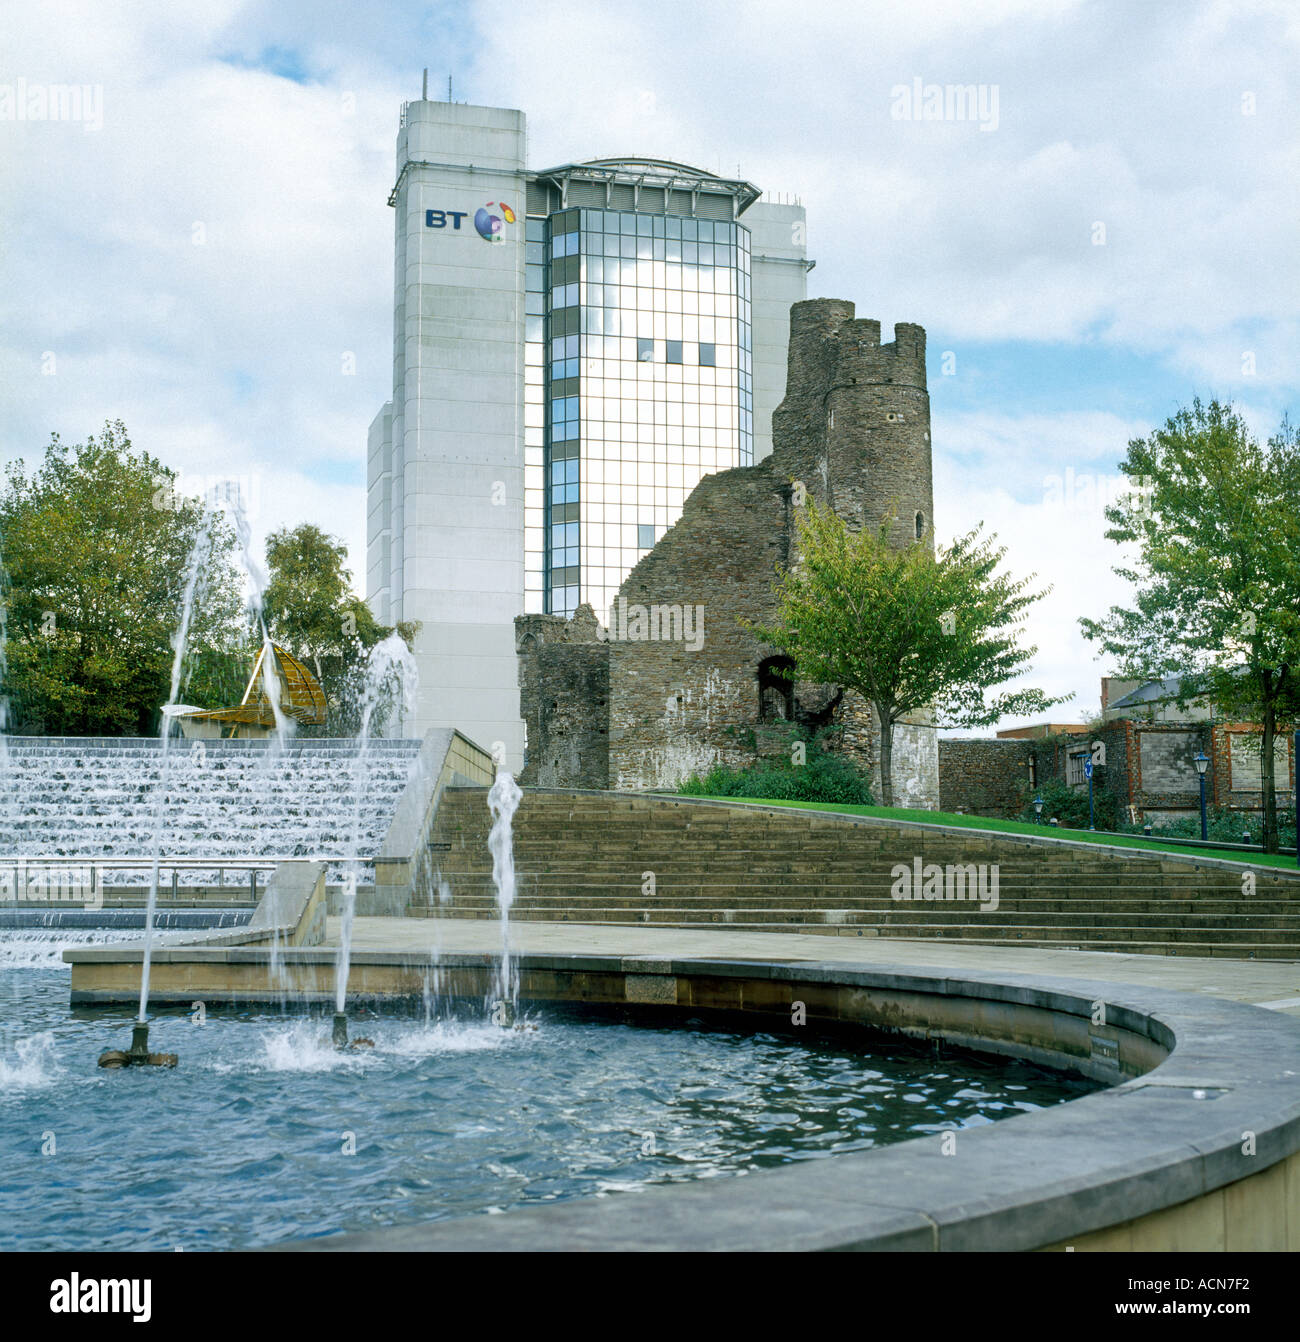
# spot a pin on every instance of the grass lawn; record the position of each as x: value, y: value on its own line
x: 1285, y: 860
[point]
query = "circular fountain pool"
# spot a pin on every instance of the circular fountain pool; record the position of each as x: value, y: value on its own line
x: 264, y: 1133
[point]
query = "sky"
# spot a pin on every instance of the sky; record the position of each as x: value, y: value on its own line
x: 205, y: 251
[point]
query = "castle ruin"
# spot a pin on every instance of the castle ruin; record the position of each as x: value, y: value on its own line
x: 674, y: 683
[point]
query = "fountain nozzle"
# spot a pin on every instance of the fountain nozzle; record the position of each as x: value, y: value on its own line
x: 138, y: 1054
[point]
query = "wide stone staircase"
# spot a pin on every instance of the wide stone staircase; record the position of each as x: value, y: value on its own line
x: 675, y: 862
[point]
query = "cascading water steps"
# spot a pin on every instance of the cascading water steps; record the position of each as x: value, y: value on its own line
x: 234, y: 799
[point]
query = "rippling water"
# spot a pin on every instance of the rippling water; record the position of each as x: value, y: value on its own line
x: 265, y: 1133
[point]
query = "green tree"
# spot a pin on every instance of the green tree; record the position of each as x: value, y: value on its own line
x: 311, y: 610
x: 1215, y: 521
x: 908, y: 628
x: 96, y: 552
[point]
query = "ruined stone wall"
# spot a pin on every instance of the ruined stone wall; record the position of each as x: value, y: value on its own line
x: 563, y: 700
x: 984, y: 777
x: 678, y: 709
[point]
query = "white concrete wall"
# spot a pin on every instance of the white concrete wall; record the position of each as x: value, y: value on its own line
x: 915, y: 767
x: 457, y: 420
x: 778, y: 252
x: 379, y: 514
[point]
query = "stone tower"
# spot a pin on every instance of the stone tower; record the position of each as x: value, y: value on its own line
x: 855, y: 422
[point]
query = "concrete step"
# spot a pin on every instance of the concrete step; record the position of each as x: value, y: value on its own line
x: 992, y: 923
x: 580, y: 857
x: 1139, y: 940
x: 1078, y: 909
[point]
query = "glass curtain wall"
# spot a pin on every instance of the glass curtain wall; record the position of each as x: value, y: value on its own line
x: 645, y: 349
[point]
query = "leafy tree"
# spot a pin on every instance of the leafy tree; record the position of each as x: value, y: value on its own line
x: 96, y: 552
x: 311, y: 610
x: 908, y: 628
x: 1215, y: 519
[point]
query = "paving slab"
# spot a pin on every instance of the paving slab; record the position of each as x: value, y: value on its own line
x: 1273, y: 984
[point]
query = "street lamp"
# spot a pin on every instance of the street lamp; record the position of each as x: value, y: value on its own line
x: 1201, y: 759
x: 1038, y: 810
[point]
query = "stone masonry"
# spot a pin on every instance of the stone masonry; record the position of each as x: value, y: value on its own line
x: 1145, y: 766
x: 984, y: 776
x: 677, y: 683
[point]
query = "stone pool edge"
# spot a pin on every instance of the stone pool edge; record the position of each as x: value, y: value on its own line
x: 1142, y: 1165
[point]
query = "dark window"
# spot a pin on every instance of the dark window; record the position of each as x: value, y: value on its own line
x: 920, y: 525
x: 775, y: 689
x: 645, y: 349
x: 674, y: 354
x: 708, y: 355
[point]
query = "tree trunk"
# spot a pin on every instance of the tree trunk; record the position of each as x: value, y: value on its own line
x: 1267, y: 772
x: 886, y: 757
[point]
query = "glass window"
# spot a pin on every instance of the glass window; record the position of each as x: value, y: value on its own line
x: 674, y: 354
x: 708, y: 355
x: 645, y: 536
x: 645, y: 350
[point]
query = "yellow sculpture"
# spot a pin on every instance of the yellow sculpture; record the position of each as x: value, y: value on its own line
x: 283, y: 681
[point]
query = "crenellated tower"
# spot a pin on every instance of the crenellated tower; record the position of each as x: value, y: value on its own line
x: 855, y: 422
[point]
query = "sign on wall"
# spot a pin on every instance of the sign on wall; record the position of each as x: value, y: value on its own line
x: 490, y: 220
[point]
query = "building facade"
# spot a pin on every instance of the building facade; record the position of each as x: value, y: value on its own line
x: 1142, y: 750
x: 575, y: 348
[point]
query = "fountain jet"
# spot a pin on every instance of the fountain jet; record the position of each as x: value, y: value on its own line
x: 339, y: 1035
x: 138, y: 1054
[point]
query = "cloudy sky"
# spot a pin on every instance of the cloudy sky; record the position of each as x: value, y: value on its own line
x: 207, y: 254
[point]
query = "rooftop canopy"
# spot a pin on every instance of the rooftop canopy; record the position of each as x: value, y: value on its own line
x: 659, y: 173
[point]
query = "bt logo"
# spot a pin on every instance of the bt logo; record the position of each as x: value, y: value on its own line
x: 438, y: 218
x: 490, y: 227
